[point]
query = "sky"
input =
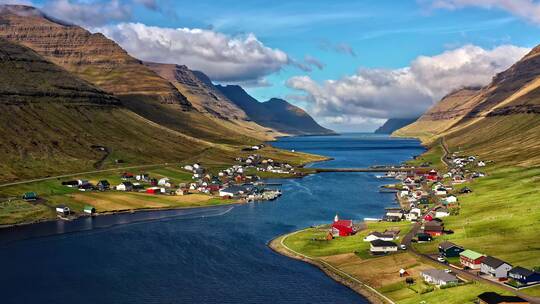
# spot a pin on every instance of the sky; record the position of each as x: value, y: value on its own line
x: 350, y: 64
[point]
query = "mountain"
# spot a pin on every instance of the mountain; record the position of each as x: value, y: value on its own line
x: 500, y: 121
x: 52, y: 122
x: 441, y: 116
x: 102, y: 62
x: 275, y: 113
x: 394, y: 124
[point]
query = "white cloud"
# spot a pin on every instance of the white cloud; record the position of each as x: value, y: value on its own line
x: 405, y: 92
x: 526, y: 9
x: 88, y: 13
x: 222, y: 57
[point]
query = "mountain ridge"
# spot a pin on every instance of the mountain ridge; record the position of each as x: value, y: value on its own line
x: 275, y: 113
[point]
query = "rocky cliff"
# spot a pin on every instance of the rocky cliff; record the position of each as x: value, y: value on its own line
x: 92, y: 57
x: 500, y: 121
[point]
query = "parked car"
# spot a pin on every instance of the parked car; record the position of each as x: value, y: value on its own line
x: 441, y: 259
x: 403, y: 247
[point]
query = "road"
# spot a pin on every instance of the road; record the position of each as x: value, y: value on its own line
x: 82, y: 173
x: 407, y: 241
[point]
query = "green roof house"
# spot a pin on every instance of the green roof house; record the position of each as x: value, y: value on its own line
x: 471, y: 259
x: 30, y: 196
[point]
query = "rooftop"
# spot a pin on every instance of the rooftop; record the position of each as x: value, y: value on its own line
x: 473, y: 255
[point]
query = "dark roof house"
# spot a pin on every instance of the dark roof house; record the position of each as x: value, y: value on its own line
x: 449, y: 249
x: 495, y: 298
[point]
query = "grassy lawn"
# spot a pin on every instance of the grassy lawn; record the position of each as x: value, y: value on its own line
x: 312, y: 242
x: 500, y: 218
x: 20, y: 211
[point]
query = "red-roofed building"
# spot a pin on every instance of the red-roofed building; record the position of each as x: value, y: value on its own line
x: 432, y: 176
x: 342, y: 227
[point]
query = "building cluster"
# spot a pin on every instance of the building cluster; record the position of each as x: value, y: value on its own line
x: 257, y: 163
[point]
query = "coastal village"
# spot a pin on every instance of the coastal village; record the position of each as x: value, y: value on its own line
x: 425, y: 198
x: 239, y: 183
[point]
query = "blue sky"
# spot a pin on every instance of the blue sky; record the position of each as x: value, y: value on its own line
x: 346, y: 37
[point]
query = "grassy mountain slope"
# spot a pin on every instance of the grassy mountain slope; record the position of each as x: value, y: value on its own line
x: 274, y: 113
x: 51, y: 120
x: 104, y: 63
x: 203, y: 95
x: 501, y: 121
x: 441, y: 116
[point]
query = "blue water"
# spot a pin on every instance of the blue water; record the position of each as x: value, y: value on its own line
x: 215, y: 255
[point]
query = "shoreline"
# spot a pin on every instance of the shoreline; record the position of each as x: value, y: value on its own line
x: 364, y: 290
x: 116, y: 212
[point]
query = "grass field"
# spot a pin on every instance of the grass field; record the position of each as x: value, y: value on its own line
x: 350, y: 254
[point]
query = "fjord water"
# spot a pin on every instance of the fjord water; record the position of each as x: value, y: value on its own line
x: 214, y: 255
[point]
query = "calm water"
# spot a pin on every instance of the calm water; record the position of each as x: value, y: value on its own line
x: 216, y: 255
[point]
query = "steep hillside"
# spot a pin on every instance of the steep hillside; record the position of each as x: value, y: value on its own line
x: 104, y: 63
x: 203, y: 95
x: 441, y: 116
x: 394, y: 124
x: 274, y: 113
x: 500, y: 122
x: 93, y: 57
x: 52, y: 121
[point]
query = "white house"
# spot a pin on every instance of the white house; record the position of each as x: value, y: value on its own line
x: 442, y: 212
x: 481, y: 164
x: 125, y: 186
x: 61, y: 209
x: 451, y: 199
x: 495, y: 267
x: 378, y: 236
x: 439, y: 277
x: 188, y: 168
x: 164, y: 182
x: 382, y: 247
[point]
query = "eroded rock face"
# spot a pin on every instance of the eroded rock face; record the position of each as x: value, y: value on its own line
x: 93, y: 57
x: 200, y: 91
x: 28, y: 78
x: 453, y: 105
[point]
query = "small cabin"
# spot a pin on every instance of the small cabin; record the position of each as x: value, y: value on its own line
x: 30, y: 196
x: 89, y: 209
x: 62, y: 210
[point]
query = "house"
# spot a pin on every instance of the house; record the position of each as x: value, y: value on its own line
x: 233, y: 191
x: 495, y: 298
x: 62, y: 209
x: 143, y: 177
x: 127, y: 176
x: 164, y: 182
x: 524, y: 276
x: 342, y: 227
x: 103, y: 185
x: 86, y: 187
x: 153, y: 190
x: 432, y: 176
x: 30, y: 196
x: 471, y: 259
x: 182, y: 191
x: 449, y: 249
x: 89, y: 209
x: 439, y: 277
x: 382, y: 247
x: 451, y: 199
x: 495, y: 267
x: 465, y: 190
x: 71, y: 183
x: 433, y: 228
x: 440, y: 191
x: 442, y: 212
x: 481, y: 164
x: 423, y: 237
x: 394, y: 214
x: 379, y: 236
x: 125, y: 186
